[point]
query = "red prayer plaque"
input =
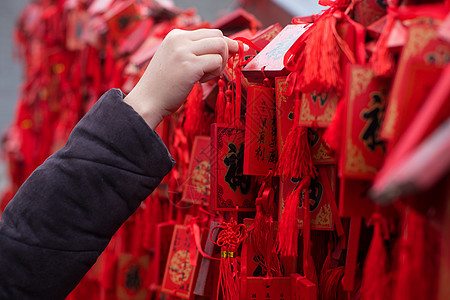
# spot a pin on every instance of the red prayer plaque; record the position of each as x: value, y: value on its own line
x: 131, y: 279
x: 261, y: 152
x: 230, y: 189
x: 180, y: 274
x: 197, y: 186
x: 362, y: 148
x: 274, y: 288
x: 317, y: 109
x: 320, y: 203
x: 261, y: 39
x: 285, y: 111
x: 271, y: 57
x: 419, y: 67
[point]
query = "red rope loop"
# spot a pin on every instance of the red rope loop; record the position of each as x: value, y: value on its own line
x: 231, y: 236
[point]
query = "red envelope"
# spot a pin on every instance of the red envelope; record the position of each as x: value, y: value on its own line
x: 197, y: 185
x: 230, y: 189
x: 362, y: 148
x: 180, y: 275
x: 261, y: 152
x: 320, y: 204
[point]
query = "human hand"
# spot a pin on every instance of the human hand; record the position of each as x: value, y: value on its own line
x: 182, y: 59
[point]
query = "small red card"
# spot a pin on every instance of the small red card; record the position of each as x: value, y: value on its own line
x: 320, y: 203
x: 197, y: 185
x: 179, y: 275
x: 230, y: 189
x: 362, y: 148
x: 271, y: 57
x: 317, y: 109
x: 419, y: 66
x: 261, y: 152
x: 131, y: 279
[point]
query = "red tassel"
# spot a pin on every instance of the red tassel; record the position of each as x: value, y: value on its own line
x: 330, y: 283
x: 229, y: 110
x: 260, y: 233
x: 333, y: 134
x: 375, y: 283
x: 382, y: 60
x: 309, y: 269
x: 418, y: 259
x: 321, y: 71
x: 327, y: 263
x: 288, y: 230
x: 195, y: 107
x: 220, y: 103
x: 295, y: 160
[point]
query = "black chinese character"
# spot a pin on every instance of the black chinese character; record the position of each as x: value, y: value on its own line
x: 315, y: 190
x: 373, y: 117
x: 133, y: 282
x: 323, y: 97
x: 235, y: 163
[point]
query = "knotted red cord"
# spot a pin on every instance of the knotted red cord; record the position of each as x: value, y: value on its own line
x: 229, y: 239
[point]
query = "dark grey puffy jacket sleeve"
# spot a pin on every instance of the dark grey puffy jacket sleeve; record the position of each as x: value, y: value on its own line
x: 64, y: 215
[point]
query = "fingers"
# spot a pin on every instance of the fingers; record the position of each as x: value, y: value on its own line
x: 199, y: 34
x: 233, y: 46
x: 211, y: 65
x: 212, y: 45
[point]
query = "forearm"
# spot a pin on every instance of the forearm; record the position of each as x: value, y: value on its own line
x: 65, y: 214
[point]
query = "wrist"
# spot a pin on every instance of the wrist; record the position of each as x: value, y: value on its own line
x: 151, y: 114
